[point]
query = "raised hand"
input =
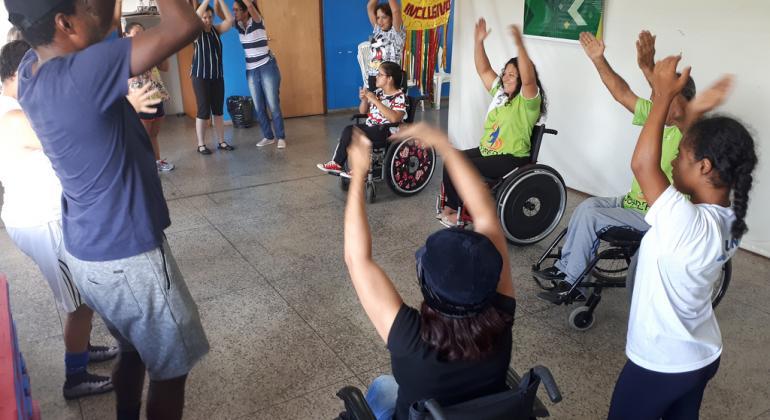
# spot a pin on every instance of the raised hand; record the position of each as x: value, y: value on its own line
x: 362, y: 93
x: 665, y: 81
x: 593, y: 47
x: 423, y: 133
x: 516, y: 32
x: 481, y: 31
x: 359, y: 153
x: 645, y: 51
x: 712, y: 97
x: 370, y: 96
x: 142, y: 99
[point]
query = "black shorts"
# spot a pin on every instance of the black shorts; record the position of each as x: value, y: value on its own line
x: 159, y: 114
x: 210, y: 96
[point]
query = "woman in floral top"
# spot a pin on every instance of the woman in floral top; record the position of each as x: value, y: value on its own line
x: 151, y: 121
x: 387, y: 104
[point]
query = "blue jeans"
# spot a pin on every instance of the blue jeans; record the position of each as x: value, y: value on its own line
x: 264, y: 85
x: 382, y: 396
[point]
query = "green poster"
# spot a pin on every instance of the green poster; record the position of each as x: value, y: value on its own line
x: 562, y: 19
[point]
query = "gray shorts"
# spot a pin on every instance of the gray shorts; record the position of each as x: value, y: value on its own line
x: 146, y: 305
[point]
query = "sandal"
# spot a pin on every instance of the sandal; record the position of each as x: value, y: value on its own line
x: 224, y: 146
x: 204, y: 150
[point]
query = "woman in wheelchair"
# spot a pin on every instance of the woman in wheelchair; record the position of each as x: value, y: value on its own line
x: 674, y: 343
x: 384, y: 106
x: 457, y: 346
x: 518, y: 102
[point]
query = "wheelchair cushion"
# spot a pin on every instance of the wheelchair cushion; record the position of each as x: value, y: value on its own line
x: 621, y: 234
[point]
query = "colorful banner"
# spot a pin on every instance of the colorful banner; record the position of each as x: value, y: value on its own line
x: 562, y: 19
x: 420, y: 15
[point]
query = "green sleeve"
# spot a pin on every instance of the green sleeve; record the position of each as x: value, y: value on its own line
x: 642, y: 111
x: 495, y: 86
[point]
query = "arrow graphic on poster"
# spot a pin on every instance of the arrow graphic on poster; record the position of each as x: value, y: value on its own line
x: 573, y: 12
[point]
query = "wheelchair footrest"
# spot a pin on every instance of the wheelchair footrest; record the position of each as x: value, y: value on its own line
x: 553, y: 297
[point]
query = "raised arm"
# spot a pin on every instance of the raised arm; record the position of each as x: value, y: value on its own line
x: 646, y: 160
x: 483, y: 68
x: 164, y: 65
x: 375, y: 290
x: 370, y: 6
x: 227, y: 21
x: 707, y: 100
x: 618, y: 87
x: 398, y: 20
x: 645, y: 54
x: 202, y: 8
x: 526, y: 68
x: 473, y: 192
x: 251, y: 6
x: 178, y: 26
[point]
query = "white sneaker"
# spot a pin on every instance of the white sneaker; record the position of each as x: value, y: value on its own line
x: 164, y: 166
x: 281, y: 144
x: 265, y: 142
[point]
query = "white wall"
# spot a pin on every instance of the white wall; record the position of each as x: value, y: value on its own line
x: 596, y: 138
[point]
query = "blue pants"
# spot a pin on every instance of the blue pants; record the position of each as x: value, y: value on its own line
x: 642, y: 394
x: 264, y: 85
x: 382, y: 396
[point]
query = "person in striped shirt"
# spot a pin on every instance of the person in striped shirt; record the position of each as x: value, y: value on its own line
x: 262, y: 72
x: 208, y: 78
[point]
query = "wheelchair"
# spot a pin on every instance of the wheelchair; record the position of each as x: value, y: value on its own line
x: 406, y: 166
x: 520, y: 402
x: 531, y: 199
x: 610, y: 268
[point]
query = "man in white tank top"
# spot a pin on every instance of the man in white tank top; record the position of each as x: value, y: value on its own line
x: 31, y: 213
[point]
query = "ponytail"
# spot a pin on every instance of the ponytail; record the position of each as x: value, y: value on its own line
x: 741, y: 188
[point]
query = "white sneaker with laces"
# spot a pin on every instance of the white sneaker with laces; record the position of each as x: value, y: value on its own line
x: 265, y: 142
x: 281, y: 144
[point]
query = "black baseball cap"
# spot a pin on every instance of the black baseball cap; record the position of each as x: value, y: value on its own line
x: 459, y: 271
x: 25, y: 13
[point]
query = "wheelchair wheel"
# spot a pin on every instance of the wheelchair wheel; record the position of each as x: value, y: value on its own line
x: 612, y: 264
x: 720, y: 287
x: 409, y: 167
x: 530, y: 204
x: 581, y: 318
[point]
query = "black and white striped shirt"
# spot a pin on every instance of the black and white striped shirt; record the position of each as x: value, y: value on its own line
x: 253, y: 37
x: 207, y: 59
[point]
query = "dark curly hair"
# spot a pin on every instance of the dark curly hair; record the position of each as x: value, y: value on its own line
x: 543, y: 101
x: 10, y: 58
x: 393, y: 70
x: 465, y: 339
x: 243, y: 6
x: 728, y: 145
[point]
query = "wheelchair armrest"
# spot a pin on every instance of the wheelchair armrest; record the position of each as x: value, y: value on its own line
x: 355, y: 403
x: 358, y: 117
x: 554, y: 394
x: 551, y: 131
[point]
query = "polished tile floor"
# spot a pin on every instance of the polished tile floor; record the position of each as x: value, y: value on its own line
x: 258, y: 236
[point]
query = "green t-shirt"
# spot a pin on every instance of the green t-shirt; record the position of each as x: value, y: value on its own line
x: 508, y: 126
x: 671, y: 138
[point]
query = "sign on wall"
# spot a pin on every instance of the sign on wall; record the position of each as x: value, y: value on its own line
x: 562, y: 19
x: 425, y: 14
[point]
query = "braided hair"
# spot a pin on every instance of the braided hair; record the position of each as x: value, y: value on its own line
x: 728, y: 145
x: 515, y: 62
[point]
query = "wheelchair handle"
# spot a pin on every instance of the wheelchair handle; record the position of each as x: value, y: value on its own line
x: 355, y: 403
x: 554, y: 394
x: 551, y: 131
x: 359, y: 116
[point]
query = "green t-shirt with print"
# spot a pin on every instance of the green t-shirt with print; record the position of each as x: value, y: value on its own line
x: 508, y: 125
x: 671, y: 138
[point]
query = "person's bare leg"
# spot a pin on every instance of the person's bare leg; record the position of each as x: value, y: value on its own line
x: 128, y: 379
x: 165, y: 399
x: 149, y: 125
x: 219, y: 128
x: 77, y: 329
x: 200, y: 130
x: 154, y: 132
